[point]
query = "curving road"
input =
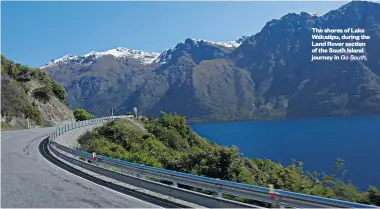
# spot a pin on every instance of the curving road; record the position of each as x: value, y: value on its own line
x: 30, y: 180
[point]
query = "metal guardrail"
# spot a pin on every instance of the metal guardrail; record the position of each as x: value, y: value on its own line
x: 221, y: 187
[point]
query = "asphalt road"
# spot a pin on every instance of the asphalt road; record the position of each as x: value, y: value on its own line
x: 30, y: 180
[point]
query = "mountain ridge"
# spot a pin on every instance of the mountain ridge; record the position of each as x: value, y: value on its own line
x: 264, y: 76
x: 145, y: 56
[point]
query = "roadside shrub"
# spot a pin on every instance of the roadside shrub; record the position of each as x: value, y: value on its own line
x: 82, y: 114
x: 42, y: 94
x: 59, y: 91
x: 33, y: 113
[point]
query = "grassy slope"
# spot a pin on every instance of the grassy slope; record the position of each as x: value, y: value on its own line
x: 170, y: 143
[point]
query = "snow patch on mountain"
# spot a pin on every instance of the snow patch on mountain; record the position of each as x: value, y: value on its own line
x: 144, y: 57
x: 164, y: 56
x: 229, y: 44
x: 314, y: 14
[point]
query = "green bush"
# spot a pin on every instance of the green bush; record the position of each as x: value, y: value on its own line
x: 42, y: 94
x: 59, y: 91
x: 373, y: 195
x: 33, y: 113
x: 82, y: 114
x: 5, y: 126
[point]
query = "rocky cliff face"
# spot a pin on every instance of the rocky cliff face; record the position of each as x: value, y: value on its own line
x: 267, y: 75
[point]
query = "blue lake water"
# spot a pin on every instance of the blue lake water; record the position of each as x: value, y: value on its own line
x: 318, y: 142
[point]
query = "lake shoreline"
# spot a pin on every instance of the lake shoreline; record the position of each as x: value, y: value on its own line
x: 305, y: 139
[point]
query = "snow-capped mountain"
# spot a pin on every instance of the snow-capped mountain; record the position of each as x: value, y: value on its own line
x: 143, y: 57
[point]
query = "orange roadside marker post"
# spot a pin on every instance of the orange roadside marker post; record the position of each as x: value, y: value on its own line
x: 94, y: 156
x: 273, y: 196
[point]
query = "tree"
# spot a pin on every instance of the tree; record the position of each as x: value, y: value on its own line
x: 373, y: 195
x: 82, y: 114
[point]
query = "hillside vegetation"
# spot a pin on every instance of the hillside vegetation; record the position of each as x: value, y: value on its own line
x: 170, y: 143
x: 30, y: 93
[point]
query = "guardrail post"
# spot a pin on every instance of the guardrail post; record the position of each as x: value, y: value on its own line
x: 140, y: 173
x: 219, y: 190
x: 175, y: 184
x: 220, y: 195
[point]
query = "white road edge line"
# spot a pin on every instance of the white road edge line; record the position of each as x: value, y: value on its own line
x: 44, y: 137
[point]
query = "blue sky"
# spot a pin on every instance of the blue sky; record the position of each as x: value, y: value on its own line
x: 34, y: 33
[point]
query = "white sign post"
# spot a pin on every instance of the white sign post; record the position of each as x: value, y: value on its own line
x: 135, y: 110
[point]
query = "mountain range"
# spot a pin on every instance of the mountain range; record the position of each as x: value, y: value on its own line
x: 264, y: 76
